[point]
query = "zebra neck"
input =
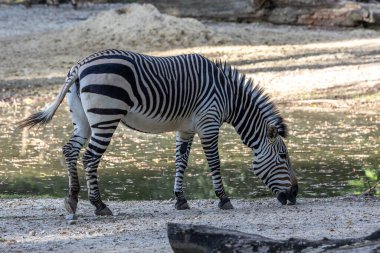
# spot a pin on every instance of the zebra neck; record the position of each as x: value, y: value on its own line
x: 249, y: 110
x: 246, y: 116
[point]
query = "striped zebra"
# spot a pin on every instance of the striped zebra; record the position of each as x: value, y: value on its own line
x: 188, y: 94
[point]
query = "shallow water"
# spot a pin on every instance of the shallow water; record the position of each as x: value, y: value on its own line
x: 333, y: 153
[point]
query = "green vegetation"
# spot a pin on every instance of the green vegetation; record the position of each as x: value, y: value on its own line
x: 367, y: 184
x: 325, y: 147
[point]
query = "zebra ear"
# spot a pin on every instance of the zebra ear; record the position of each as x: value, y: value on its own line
x: 272, y: 131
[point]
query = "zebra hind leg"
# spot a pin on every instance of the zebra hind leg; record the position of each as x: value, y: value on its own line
x: 72, y: 148
x: 101, y: 134
x: 71, y: 152
x: 183, y: 146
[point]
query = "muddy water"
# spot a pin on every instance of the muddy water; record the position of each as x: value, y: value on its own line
x: 332, y: 154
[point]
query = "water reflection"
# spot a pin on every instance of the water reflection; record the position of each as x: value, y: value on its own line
x: 328, y: 150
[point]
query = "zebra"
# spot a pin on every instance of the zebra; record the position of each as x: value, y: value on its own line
x: 189, y: 94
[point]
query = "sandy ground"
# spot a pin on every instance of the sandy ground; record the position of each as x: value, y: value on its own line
x: 35, y: 225
x: 337, y: 68
x: 40, y: 49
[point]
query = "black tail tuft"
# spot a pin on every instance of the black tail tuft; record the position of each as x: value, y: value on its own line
x: 43, y: 117
x: 39, y: 118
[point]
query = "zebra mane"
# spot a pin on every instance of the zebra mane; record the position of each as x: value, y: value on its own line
x: 261, y: 98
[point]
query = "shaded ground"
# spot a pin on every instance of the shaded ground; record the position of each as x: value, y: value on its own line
x: 290, y: 62
x: 38, y: 225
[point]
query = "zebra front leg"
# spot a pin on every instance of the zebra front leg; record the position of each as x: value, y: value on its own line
x: 71, y: 152
x: 210, y: 146
x: 183, y: 146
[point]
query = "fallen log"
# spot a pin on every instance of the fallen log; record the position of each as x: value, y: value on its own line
x: 342, y: 13
x: 214, y: 9
x: 201, y: 239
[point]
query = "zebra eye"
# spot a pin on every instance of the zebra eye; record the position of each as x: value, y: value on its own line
x: 283, y: 156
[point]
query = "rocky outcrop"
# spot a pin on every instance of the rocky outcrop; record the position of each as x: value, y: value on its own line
x: 295, y: 12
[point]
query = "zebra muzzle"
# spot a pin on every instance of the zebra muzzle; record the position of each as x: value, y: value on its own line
x: 289, y: 196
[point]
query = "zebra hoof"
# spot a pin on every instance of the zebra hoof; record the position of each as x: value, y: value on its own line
x: 71, y: 205
x: 182, y: 204
x: 225, y: 204
x: 103, y: 212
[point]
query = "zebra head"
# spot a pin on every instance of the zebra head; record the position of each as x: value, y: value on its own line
x: 272, y: 165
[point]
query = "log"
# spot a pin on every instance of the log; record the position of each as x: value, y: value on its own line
x: 217, y: 9
x: 202, y: 239
x: 343, y: 14
x: 305, y: 3
x: 293, y: 12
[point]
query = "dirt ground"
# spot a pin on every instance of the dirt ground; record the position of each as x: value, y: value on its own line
x: 39, y: 45
x: 38, y: 225
x: 298, y: 66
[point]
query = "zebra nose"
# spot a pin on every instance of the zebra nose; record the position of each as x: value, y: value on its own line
x: 288, y: 196
x: 281, y: 196
x: 291, y: 194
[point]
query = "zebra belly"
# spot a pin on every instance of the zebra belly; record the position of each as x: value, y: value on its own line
x: 144, y: 124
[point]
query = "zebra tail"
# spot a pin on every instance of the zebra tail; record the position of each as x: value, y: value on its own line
x: 43, y: 117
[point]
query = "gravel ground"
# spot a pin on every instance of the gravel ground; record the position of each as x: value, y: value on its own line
x: 38, y: 225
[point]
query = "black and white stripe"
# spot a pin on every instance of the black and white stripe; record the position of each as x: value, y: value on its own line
x: 188, y: 94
